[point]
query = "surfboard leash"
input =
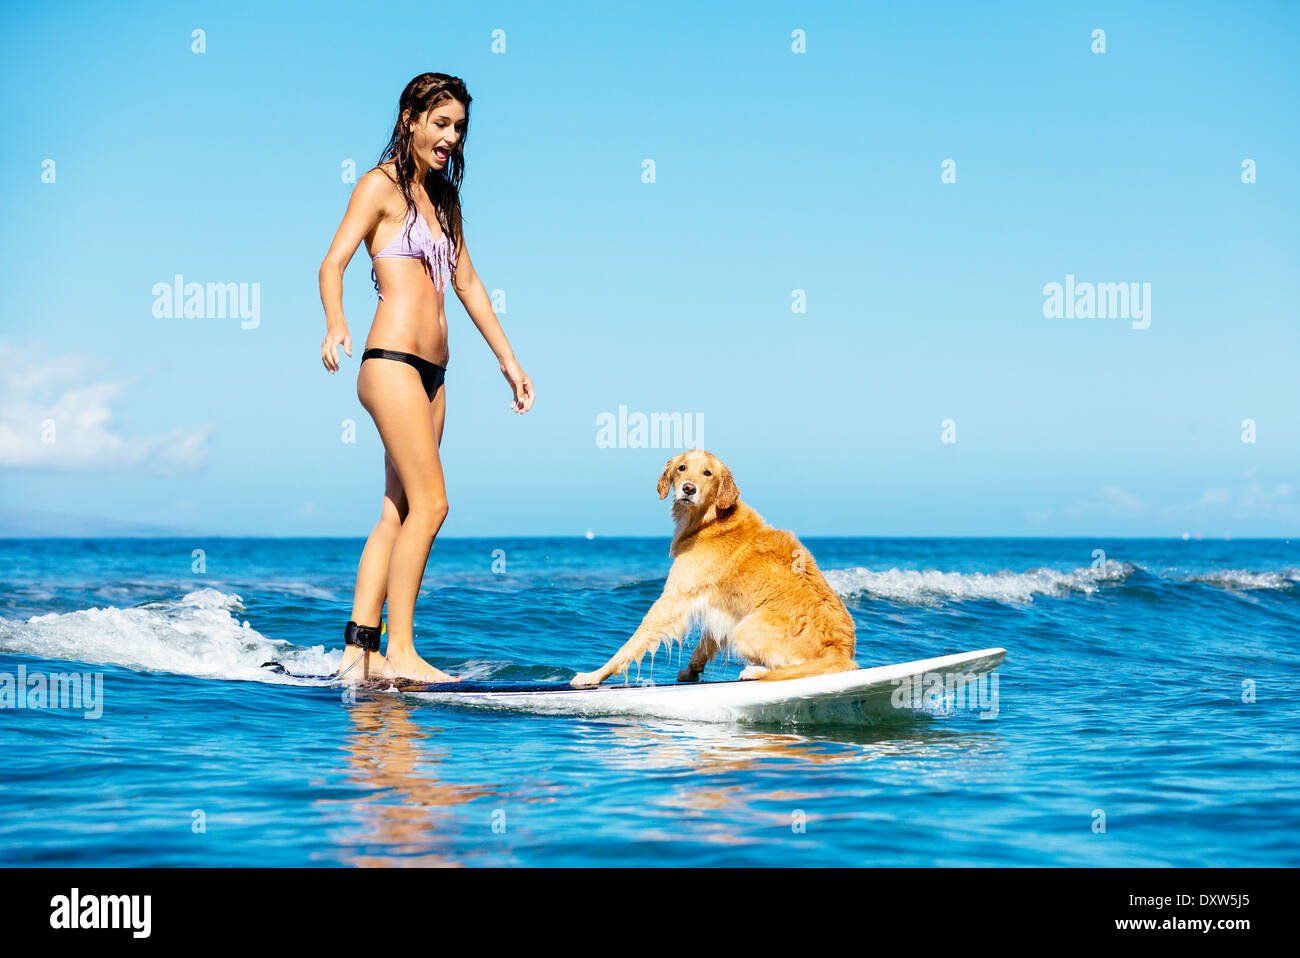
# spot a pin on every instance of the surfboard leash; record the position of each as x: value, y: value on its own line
x: 365, y: 636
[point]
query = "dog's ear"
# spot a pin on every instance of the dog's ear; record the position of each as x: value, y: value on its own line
x: 666, y: 480
x: 728, y: 494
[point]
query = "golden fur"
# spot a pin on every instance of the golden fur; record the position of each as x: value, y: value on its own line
x: 755, y: 589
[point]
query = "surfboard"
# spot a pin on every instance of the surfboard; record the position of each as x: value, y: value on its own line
x: 862, y: 696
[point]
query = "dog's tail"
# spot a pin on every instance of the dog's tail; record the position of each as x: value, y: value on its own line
x: 823, y: 666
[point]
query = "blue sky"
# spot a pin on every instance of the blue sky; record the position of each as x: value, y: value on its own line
x: 775, y: 172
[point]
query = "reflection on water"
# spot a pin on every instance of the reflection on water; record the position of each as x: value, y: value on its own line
x: 725, y: 793
x: 708, y: 741
x: 407, y: 820
x: 717, y: 784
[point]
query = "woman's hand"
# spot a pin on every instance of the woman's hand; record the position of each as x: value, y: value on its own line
x: 520, y: 383
x: 329, y: 349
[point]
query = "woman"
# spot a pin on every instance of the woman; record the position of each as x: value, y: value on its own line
x: 408, y: 209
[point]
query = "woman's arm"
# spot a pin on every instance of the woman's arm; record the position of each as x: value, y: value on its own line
x: 476, y: 302
x: 364, y: 210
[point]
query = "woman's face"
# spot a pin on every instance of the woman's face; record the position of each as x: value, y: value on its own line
x: 437, y: 134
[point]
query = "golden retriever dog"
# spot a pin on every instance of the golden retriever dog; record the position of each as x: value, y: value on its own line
x: 754, y: 589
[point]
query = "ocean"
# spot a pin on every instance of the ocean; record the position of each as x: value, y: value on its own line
x: 1147, y: 712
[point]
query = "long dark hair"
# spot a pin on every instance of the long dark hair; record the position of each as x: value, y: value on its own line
x: 421, y: 95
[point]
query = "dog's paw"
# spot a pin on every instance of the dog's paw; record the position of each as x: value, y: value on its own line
x: 754, y: 672
x: 686, y: 675
x: 585, y: 680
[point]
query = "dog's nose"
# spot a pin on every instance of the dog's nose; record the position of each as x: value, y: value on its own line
x: 688, y: 488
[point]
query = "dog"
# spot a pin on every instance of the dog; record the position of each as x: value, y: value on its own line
x: 756, y: 590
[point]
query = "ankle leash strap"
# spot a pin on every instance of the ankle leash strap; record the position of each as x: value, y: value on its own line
x: 365, y: 636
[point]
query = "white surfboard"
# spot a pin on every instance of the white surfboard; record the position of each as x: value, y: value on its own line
x: 862, y: 696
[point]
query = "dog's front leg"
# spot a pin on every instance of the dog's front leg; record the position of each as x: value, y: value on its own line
x: 667, y: 619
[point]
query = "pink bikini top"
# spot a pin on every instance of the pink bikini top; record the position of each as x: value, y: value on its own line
x: 439, y: 255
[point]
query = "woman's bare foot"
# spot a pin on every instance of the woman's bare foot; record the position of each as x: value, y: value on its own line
x: 411, y: 666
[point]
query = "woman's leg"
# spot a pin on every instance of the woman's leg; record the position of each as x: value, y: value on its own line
x: 372, y: 570
x: 394, y: 396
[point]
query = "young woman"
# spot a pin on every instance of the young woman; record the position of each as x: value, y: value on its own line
x: 407, y: 209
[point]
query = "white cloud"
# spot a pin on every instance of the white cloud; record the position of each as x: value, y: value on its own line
x: 1215, y: 497
x: 69, y: 398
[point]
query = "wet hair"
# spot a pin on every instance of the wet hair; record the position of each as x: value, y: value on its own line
x: 422, y: 94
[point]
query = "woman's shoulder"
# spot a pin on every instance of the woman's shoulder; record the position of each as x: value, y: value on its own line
x: 377, y: 188
x: 381, y: 179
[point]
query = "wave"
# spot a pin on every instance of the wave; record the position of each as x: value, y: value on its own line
x: 1242, y: 580
x: 932, y: 587
x: 195, y: 635
x: 200, y: 635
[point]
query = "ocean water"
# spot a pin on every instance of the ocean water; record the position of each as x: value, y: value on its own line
x: 1147, y: 712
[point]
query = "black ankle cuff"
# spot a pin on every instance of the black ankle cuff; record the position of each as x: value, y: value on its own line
x: 366, y: 636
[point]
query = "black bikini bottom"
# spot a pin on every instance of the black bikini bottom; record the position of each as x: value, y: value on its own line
x: 431, y: 374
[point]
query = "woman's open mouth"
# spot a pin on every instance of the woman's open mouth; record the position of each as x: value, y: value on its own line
x: 441, y: 154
